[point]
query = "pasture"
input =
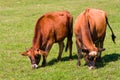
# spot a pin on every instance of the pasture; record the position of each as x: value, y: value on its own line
x: 17, y: 21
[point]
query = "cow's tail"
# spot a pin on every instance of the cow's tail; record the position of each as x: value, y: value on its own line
x: 113, y: 35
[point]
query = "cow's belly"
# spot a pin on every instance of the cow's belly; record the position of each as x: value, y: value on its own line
x: 60, y: 38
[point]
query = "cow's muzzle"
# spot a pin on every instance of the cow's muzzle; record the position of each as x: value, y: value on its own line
x: 34, y: 66
x: 92, y: 67
x: 91, y: 63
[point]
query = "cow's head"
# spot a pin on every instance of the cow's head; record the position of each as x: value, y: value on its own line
x: 91, y: 56
x: 34, y: 55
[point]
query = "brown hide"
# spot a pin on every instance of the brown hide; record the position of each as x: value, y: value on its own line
x: 51, y: 28
x: 90, y: 30
x: 82, y: 31
x: 97, y: 24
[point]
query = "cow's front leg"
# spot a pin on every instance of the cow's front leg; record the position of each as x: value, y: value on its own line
x: 47, y: 49
x: 79, y: 50
x: 44, y: 61
x: 70, y: 48
x: 79, y: 57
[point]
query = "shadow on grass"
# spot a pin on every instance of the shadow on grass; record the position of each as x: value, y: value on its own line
x: 53, y: 61
x: 108, y: 58
x: 105, y: 60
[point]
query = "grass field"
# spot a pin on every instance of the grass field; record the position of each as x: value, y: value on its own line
x: 17, y: 21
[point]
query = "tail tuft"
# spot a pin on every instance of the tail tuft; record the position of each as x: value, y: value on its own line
x: 113, y: 38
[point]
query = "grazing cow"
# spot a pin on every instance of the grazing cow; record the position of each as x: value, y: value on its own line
x: 51, y: 28
x: 90, y: 31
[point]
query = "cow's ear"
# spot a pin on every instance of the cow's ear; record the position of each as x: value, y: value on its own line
x: 24, y: 54
x: 41, y: 52
x: 101, y: 49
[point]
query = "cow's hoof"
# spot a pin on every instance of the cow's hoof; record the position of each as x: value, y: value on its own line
x: 78, y: 64
x: 70, y: 59
x: 58, y: 59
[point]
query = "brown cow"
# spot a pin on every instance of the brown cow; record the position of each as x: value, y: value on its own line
x: 90, y: 31
x: 51, y: 28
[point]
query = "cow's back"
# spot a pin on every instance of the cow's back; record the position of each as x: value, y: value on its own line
x: 55, y: 25
x: 97, y: 23
x: 82, y: 31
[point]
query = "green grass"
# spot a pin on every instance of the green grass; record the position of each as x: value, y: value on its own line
x: 17, y: 21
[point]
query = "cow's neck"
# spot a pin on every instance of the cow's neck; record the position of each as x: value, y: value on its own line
x: 86, y: 35
x: 88, y: 44
x: 36, y: 40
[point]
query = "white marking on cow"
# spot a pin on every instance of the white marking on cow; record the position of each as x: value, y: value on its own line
x: 93, y: 53
x: 91, y: 67
x: 34, y: 66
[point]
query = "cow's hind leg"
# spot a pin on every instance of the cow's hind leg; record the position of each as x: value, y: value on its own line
x: 70, y: 48
x: 99, y: 54
x: 44, y: 61
x: 61, y: 47
x: 97, y: 44
x: 70, y: 34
